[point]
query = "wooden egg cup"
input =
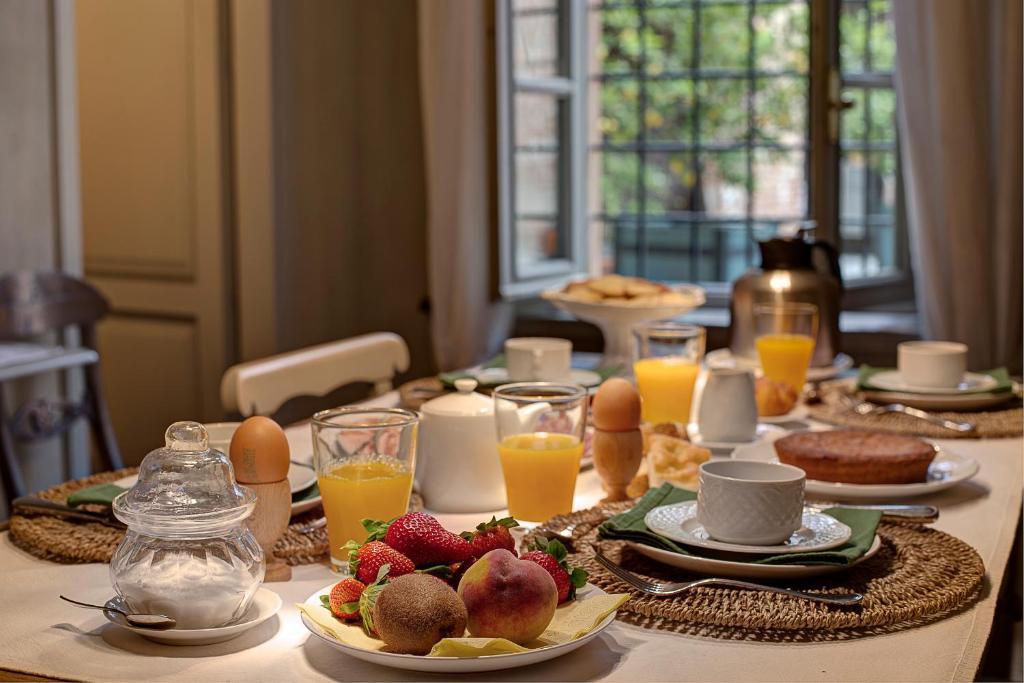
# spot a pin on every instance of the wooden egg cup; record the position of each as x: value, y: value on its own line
x: 268, y: 523
x: 617, y: 457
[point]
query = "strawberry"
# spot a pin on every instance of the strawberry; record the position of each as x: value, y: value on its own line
x: 365, y: 561
x: 344, y: 599
x: 423, y: 540
x: 492, y: 535
x: 551, y: 556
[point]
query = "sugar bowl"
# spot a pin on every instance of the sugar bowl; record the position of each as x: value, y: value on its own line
x: 187, y: 552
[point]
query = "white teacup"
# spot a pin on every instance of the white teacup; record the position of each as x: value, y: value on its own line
x: 220, y: 434
x: 545, y: 359
x: 932, y: 364
x: 726, y: 406
x: 750, y: 502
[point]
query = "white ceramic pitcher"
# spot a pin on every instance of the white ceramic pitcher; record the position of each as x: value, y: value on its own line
x: 727, y: 408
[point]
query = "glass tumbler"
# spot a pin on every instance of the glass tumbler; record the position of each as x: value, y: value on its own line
x: 784, y: 337
x: 669, y: 356
x: 540, y: 441
x: 365, y: 460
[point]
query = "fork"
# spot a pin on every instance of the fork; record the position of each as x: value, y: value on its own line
x: 866, y: 408
x: 671, y: 589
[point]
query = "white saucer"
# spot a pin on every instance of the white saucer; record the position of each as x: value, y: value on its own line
x: 265, y: 604
x: 748, y: 570
x: 892, y: 380
x: 798, y: 413
x: 679, y: 523
x: 495, y: 376
x: 946, y: 471
x: 723, y: 358
x: 764, y: 432
x: 455, y: 664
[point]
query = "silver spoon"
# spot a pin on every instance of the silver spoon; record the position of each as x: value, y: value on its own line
x: 159, y: 622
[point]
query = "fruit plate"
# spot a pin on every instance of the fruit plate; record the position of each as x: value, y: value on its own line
x: 454, y: 664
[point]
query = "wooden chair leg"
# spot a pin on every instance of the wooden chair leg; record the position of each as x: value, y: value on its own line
x: 99, y: 419
x: 10, y: 469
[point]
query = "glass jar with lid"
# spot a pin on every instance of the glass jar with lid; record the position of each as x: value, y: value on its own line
x: 187, y: 552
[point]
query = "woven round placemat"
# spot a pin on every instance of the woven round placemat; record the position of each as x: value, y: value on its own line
x: 74, y: 542
x: 918, y: 575
x: 990, y: 424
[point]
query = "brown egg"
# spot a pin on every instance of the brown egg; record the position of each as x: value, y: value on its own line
x: 616, y: 406
x: 259, y: 452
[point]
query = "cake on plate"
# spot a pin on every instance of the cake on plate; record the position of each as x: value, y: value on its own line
x: 857, y: 457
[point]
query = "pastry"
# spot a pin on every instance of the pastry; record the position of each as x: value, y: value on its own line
x: 774, y: 398
x: 674, y: 460
x: 857, y: 457
x: 620, y: 290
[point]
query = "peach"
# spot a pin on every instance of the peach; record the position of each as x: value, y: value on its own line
x: 507, y: 597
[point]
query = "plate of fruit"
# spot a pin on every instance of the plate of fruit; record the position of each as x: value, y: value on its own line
x: 422, y: 598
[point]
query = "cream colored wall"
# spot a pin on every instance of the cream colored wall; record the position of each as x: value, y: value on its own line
x: 39, y: 213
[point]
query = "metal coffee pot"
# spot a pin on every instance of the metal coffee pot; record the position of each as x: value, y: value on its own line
x: 793, y: 269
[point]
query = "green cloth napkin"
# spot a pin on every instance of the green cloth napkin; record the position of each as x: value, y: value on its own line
x: 448, y: 378
x: 101, y: 494
x: 629, y: 526
x: 1002, y: 377
x: 104, y: 494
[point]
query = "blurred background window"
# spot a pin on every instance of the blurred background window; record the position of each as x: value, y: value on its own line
x: 708, y: 125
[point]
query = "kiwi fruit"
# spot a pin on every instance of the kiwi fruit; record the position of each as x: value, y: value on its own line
x: 415, y: 611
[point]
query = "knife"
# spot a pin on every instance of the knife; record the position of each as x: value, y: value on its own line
x: 35, y: 505
x: 922, y: 514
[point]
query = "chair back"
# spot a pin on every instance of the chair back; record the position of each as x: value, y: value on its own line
x: 33, y: 303
x: 261, y: 387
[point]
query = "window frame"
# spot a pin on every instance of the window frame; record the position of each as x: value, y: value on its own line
x: 823, y: 152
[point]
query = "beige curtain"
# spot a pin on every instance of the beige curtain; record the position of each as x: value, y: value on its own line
x: 959, y: 79
x: 456, y: 84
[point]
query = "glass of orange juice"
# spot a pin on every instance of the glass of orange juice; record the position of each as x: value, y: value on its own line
x: 668, y: 361
x: 784, y: 337
x: 364, y: 460
x: 540, y: 443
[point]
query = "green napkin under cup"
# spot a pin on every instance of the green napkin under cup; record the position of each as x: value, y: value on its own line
x: 629, y: 526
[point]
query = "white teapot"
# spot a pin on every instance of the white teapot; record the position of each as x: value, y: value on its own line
x: 457, y: 468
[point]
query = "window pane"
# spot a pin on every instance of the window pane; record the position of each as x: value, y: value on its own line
x: 724, y: 38
x: 536, y: 241
x: 619, y: 177
x: 782, y: 37
x: 669, y: 39
x: 881, y: 40
x: 670, y: 181
x: 882, y: 185
x: 536, y: 182
x: 883, y: 115
x: 723, y: 110
x: 853, y: 17
x: 725, y: 182
x: 780, y: 110
x: 620, y: 102
x: 780, y: 186
x: 852, y: 128
x: 536, y: 117
x: 669, y: 115
x: 852, y: 187
x: 535, y: 43
x: 618, y: 50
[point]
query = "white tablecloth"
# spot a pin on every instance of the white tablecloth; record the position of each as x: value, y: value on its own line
x: 40, y: 634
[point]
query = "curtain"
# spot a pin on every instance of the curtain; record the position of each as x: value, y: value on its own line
x: 456, y: 87
x: 959, y: 83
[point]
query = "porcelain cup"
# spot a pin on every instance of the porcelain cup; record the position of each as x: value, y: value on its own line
x: 727, y: 408
x: 543, y: 359
x: 932, y: 364
x: 750, y: 502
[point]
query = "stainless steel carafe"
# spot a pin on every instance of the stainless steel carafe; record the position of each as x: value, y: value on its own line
x: 792, y: 269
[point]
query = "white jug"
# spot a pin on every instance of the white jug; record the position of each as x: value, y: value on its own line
x: 726, y: 407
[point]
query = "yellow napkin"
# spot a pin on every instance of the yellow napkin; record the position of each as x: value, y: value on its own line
x: 571, y: 621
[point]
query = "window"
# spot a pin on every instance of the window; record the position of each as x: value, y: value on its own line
x: 703, y: 126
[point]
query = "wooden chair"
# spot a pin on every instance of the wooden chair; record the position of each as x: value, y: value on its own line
x: 33, y: 307
x: 261, y: 387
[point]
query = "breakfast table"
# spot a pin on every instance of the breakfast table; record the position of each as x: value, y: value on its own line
x: 43, y: 637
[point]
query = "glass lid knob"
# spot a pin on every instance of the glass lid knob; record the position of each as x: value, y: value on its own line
x: 187, y: 436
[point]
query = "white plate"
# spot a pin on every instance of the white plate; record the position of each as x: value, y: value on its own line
x: 265, y: 604
x: 723, y: 358
x: 764, y: 432
x: 946, y: 471
x: 679, y: 523
x: 798, y: 413
x: 892, y: 380
x: 456, y: 664
x: 494, y: 376
x: 748, y: 570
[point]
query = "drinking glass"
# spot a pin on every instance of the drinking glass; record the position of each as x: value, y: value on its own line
x: 540, y: 442
x: 364, y: 460
x: 784, y: 334
x: 668, y: 362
